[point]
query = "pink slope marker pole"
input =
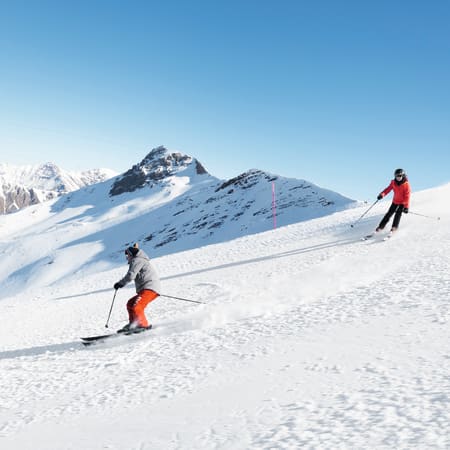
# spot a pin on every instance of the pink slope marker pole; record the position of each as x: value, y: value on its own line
x: 274, y: 206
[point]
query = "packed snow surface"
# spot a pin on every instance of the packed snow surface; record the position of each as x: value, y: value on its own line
x: 308, y: 337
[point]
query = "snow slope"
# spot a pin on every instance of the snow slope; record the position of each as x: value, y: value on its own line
x: 308, y: 338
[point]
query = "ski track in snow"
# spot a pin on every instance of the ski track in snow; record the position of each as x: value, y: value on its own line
x: 310, y: 338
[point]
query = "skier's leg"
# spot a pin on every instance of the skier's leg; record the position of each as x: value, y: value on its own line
x: 397, y: 217
x: 142, y: 300
x: 130, y: 309
x: 386, y: 217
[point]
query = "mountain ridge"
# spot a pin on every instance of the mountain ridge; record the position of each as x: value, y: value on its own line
x: 174, y: 204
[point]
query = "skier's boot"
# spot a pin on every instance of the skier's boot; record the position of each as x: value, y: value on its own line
x: 140, y: 329
x: 125, y: 329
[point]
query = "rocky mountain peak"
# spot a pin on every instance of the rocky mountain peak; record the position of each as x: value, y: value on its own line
x: 161, y: 163
x: 156, y: 167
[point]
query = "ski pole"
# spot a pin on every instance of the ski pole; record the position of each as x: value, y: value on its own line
x: 180, y: 298
x: 110, y: 310
x: 371, y: 206
x: 423, y: 215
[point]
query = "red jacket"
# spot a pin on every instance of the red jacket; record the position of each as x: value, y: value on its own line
x: 402, y: 192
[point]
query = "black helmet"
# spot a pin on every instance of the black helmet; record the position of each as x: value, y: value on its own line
x: 399, y: 173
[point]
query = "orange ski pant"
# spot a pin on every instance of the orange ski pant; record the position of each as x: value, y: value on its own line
x: 137, y: 304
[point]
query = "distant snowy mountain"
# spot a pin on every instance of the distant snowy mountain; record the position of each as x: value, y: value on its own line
x: 21, y: 186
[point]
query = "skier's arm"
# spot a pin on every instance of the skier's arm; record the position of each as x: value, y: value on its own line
x: 388, y: 189
x: 407, y: 195
x: 135, y: 267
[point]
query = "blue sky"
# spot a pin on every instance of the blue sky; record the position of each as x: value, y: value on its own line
x: 338, y: 93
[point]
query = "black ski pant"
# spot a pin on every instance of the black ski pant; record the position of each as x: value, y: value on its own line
x: 397, y: 209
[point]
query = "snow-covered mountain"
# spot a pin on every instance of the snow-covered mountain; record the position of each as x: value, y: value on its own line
x: 167, y: 203
x: 170, y: 202
x: 22, y: 186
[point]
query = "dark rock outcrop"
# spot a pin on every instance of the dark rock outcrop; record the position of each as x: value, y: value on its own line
x: 156, y: 167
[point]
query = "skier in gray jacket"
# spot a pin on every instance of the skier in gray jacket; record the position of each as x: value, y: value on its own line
x: 147, y: 283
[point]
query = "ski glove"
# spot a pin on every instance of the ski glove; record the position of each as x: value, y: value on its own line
x: 118, y: 286
x: 405, y: 210
x: 380, y: 196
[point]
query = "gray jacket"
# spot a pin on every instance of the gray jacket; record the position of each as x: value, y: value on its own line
x: 143, y: 273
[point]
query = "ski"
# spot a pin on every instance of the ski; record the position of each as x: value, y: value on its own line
x: 89, y: 340
x: 375, y: 234
x: 388, y: 236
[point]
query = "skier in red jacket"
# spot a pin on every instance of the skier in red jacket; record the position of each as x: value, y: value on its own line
x: 400, y: 202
